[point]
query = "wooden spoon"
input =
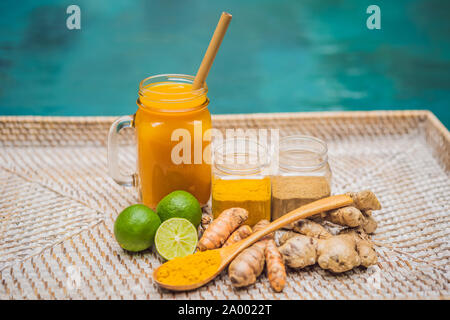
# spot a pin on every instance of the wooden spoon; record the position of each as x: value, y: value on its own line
x: 227, y: 254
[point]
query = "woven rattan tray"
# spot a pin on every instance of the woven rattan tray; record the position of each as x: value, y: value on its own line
x: 57, y: 208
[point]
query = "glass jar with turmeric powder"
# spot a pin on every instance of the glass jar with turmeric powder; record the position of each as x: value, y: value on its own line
x: 303, y: 174
x: 241, y: 178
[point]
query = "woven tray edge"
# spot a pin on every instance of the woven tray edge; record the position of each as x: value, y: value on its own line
x: 279, y: 115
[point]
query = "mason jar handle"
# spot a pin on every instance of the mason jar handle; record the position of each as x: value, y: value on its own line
x: 113, y: 152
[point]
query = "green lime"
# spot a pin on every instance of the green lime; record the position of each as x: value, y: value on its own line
x: 180, y: 204
x: 135, y: 227
x: 176, y: 237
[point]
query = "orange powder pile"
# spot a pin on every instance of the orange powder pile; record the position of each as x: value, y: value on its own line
x: 190, y: 269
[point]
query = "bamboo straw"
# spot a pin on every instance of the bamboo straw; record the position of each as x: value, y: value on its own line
x: 211, y: 52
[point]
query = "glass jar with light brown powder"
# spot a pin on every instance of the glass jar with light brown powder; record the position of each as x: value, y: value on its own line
x: 303, y: 174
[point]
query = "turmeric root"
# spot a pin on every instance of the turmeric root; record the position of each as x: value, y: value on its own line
x: 248, y: 265
x: 276, y: 271
x: 339, y: 253
x: 241, y: 233
x: 220, y: 229
x: 261, y: 225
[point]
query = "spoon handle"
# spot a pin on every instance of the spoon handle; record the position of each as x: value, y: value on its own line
x: 305, y: 211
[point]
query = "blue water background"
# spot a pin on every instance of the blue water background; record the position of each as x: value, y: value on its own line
x: 278, y: 56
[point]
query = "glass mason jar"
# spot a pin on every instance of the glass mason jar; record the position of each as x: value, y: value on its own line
x: 303, y: 174
x: 171, y: 124
x: 241, y: 178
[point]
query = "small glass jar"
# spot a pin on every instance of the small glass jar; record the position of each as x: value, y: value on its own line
x: 241, y: 178
x: 303, y: 174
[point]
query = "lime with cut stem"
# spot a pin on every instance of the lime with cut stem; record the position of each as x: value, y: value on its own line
x: 135, y: 227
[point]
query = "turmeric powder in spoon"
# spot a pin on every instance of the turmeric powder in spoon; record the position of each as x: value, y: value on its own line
x: 190, y: 269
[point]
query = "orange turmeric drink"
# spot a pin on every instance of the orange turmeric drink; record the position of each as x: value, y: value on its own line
x: 172, y: 124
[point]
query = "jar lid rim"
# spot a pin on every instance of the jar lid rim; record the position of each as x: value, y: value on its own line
x: 173, y: 76
x: 171, y: 98
x: 320, y: 154
x: 256, y: 168
x: 306, y: 138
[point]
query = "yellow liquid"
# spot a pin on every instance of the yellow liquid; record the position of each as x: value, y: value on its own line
x: 251, y: 194
x: 158, y: 174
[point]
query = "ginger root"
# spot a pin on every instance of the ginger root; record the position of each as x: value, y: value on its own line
x: 221, y: 228
x: 311, y: 243
x: 241, y: 233
x: 357, y: 215
x: 339, y: 253
x: 249, y: 264
x: 310, y: 228
x: 299, y: 251
x: 369, y: 225
x: 365, y: 200
x: 204, y: 223
x: 364, y: 246
x: 286, y: 236
x: 206, y: 220
x: 352, y: 217
x: 346, y: 216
